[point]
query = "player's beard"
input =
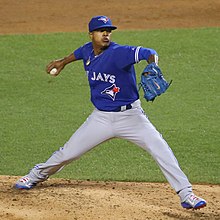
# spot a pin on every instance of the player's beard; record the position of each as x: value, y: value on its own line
x: 106, y: 45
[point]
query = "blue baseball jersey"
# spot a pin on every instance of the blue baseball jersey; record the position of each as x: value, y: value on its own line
x: 111, y: 74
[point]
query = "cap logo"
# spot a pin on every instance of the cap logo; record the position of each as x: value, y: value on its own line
x: 104, y: 19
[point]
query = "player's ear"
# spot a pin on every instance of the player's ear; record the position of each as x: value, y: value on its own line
x: 90, y: 35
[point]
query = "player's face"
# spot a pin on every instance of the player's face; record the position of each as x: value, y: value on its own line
x: 101, y: 38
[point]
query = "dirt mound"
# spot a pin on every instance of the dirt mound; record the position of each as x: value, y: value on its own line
x: 88, y: 200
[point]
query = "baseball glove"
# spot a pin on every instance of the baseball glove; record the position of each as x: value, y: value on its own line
x: 152, y: 82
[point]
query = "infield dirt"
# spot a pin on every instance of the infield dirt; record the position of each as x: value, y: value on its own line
x: 88, y: 200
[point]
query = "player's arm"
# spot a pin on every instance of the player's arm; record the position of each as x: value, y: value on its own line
x: 60, y: 63
x: 153, y: 58
x: 129, y: 55
x: 148, y: 54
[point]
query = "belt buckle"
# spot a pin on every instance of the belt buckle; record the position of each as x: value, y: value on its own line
x: 123, y: 108
x: 126, y: 107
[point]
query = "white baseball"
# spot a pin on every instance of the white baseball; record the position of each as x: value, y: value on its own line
x: 53, y: 71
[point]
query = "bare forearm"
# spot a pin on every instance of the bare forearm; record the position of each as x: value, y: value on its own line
x: 60, y: 63
x: 68, y: 59
x: 153, y: 59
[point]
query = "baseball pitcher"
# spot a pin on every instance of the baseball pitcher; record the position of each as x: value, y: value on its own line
x: 117, y: 109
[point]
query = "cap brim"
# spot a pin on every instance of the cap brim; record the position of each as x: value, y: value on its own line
x: 104, y: 26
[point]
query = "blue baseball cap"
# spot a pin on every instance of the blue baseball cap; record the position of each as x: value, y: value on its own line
x: 98, y: 22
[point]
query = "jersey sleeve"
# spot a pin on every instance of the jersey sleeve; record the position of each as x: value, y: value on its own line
x: 83, y: 52
x: 128, y: 55
x: 78, y: 53
x: 144, y: 53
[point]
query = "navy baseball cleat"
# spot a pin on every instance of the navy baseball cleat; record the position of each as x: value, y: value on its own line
x: 25, y: 183
x: 193, y: 202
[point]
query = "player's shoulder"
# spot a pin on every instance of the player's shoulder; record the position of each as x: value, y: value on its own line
x: 118, y: 47
x: 114, y: 45
x: 87, y: 45
x: 86, y: 48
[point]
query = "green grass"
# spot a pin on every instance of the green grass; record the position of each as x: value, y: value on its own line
x: 39, y: 113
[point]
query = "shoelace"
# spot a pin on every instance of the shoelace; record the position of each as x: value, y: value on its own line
x: 193, y: 199
x: 25, y: 179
